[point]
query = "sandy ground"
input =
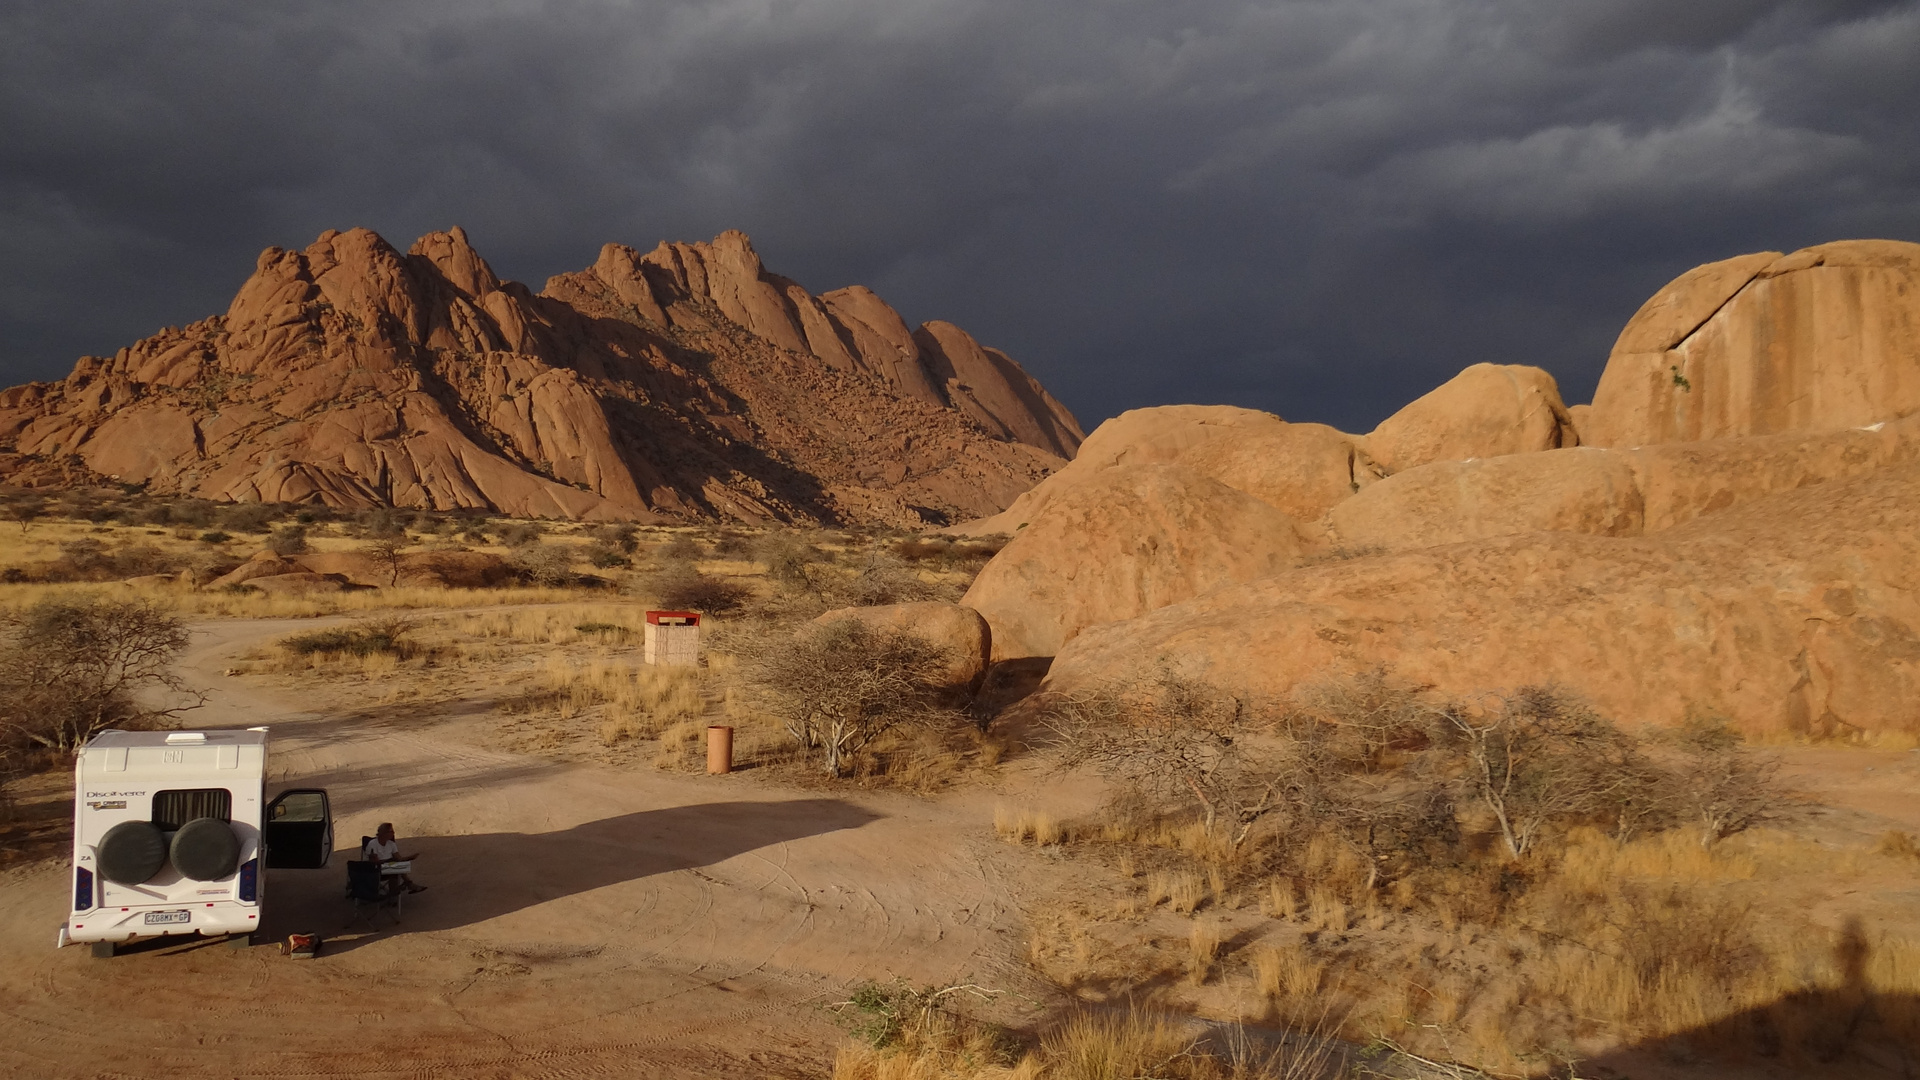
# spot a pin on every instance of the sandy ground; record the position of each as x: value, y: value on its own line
x: 592, y: 921
x: 579, y: 922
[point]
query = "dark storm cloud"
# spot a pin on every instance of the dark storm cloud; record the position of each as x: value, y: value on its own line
x: 1318, y: 208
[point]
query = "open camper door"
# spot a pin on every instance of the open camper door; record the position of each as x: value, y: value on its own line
x: 298, y: 830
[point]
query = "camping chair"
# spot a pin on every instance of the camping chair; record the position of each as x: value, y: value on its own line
x: 370, y: 891
x: 364, y: 841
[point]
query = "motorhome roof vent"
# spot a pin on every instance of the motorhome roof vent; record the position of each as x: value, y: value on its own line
x: 186, y: 737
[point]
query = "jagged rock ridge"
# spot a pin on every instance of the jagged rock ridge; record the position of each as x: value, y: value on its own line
x: 685, y: 383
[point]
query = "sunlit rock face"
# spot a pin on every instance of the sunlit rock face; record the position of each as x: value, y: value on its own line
x: 685, y: 383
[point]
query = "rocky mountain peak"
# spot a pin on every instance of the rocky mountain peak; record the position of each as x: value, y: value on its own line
x: 688, y: 382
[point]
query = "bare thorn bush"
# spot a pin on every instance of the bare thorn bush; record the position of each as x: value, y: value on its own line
x: 1543, y: 758
x: 1724, y: 788
x: 683, y: 588
x: 841, y: 686
x: 1172, y: 738
x: 74, y: 666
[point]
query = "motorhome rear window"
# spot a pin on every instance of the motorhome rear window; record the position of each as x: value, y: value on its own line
x: 172, y: 809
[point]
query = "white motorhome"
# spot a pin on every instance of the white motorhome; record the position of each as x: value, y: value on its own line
x: 172, y: 833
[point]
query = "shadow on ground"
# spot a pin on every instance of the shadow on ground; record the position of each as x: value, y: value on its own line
x: 1844, y: 1031
x: 482, y: 876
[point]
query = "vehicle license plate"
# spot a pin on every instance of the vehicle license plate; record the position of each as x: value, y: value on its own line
x: 163, y: 918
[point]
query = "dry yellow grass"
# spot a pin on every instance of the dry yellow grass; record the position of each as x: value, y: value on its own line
x: 1125, y: 1045
x: 1622, y: 943
x: 560, y: 624
x: 968, y: 1056
x: 1288, y: 974
x: 1064, y: 933
x: 1131, y: 1044
x: 676, y: 743
x: 1279, y: 901
x: 1898, y: 845
x: 255, y: 605
x: 1326, y: 910
x: 1203, y: 948
x: 1185, y: 891
x: 1591, y: 860
x: 1016, y: 826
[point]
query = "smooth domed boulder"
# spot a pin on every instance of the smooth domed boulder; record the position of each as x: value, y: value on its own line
x: 1127, y: 541
x: 960, y: 631
x: 1300, y: 469
x: 1580, y: 489
x: 1797, y: 612
x: 297, y: 583
x: 263, y: 564
x: 1487, y: 410
x: 1825, y: 338
x: 1135, y: 437
x: 1677, y: 310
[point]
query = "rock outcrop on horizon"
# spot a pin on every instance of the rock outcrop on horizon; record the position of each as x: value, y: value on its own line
x: 1827, y: 337
x: 1797, y: 612
x: 1739, y: 541
x: 1293, y: 473
x: 1142, y: 537
x: 1488, y: 410
x: 686, y: 383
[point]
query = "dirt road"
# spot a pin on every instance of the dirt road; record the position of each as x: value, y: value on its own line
x: 580, y: 921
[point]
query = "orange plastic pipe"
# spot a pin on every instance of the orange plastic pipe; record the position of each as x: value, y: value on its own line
x: 719, y: 749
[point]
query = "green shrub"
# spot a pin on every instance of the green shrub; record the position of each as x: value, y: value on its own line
x: 289, y: 540
x: 684, y: 588
x: 248, y: 517
x: 385, y: 636
x: 605, y: 556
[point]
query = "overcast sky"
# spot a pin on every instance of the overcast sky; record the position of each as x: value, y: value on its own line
x: 1318, y: 208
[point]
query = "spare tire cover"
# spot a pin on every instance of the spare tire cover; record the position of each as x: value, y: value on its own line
x: 131, y: 852
x: 205, y: 849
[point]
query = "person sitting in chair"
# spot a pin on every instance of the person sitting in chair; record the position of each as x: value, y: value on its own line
x: 383, y: 849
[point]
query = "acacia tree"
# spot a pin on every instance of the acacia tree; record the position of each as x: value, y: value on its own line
x: 27, y: 511
x: 1353, y: 766
x: 1723, y: 786
x: 841, y: 685
x: 388, y: 553
x: 1174, y: 736
x: 72, y: 667
x: 1544, y: 757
